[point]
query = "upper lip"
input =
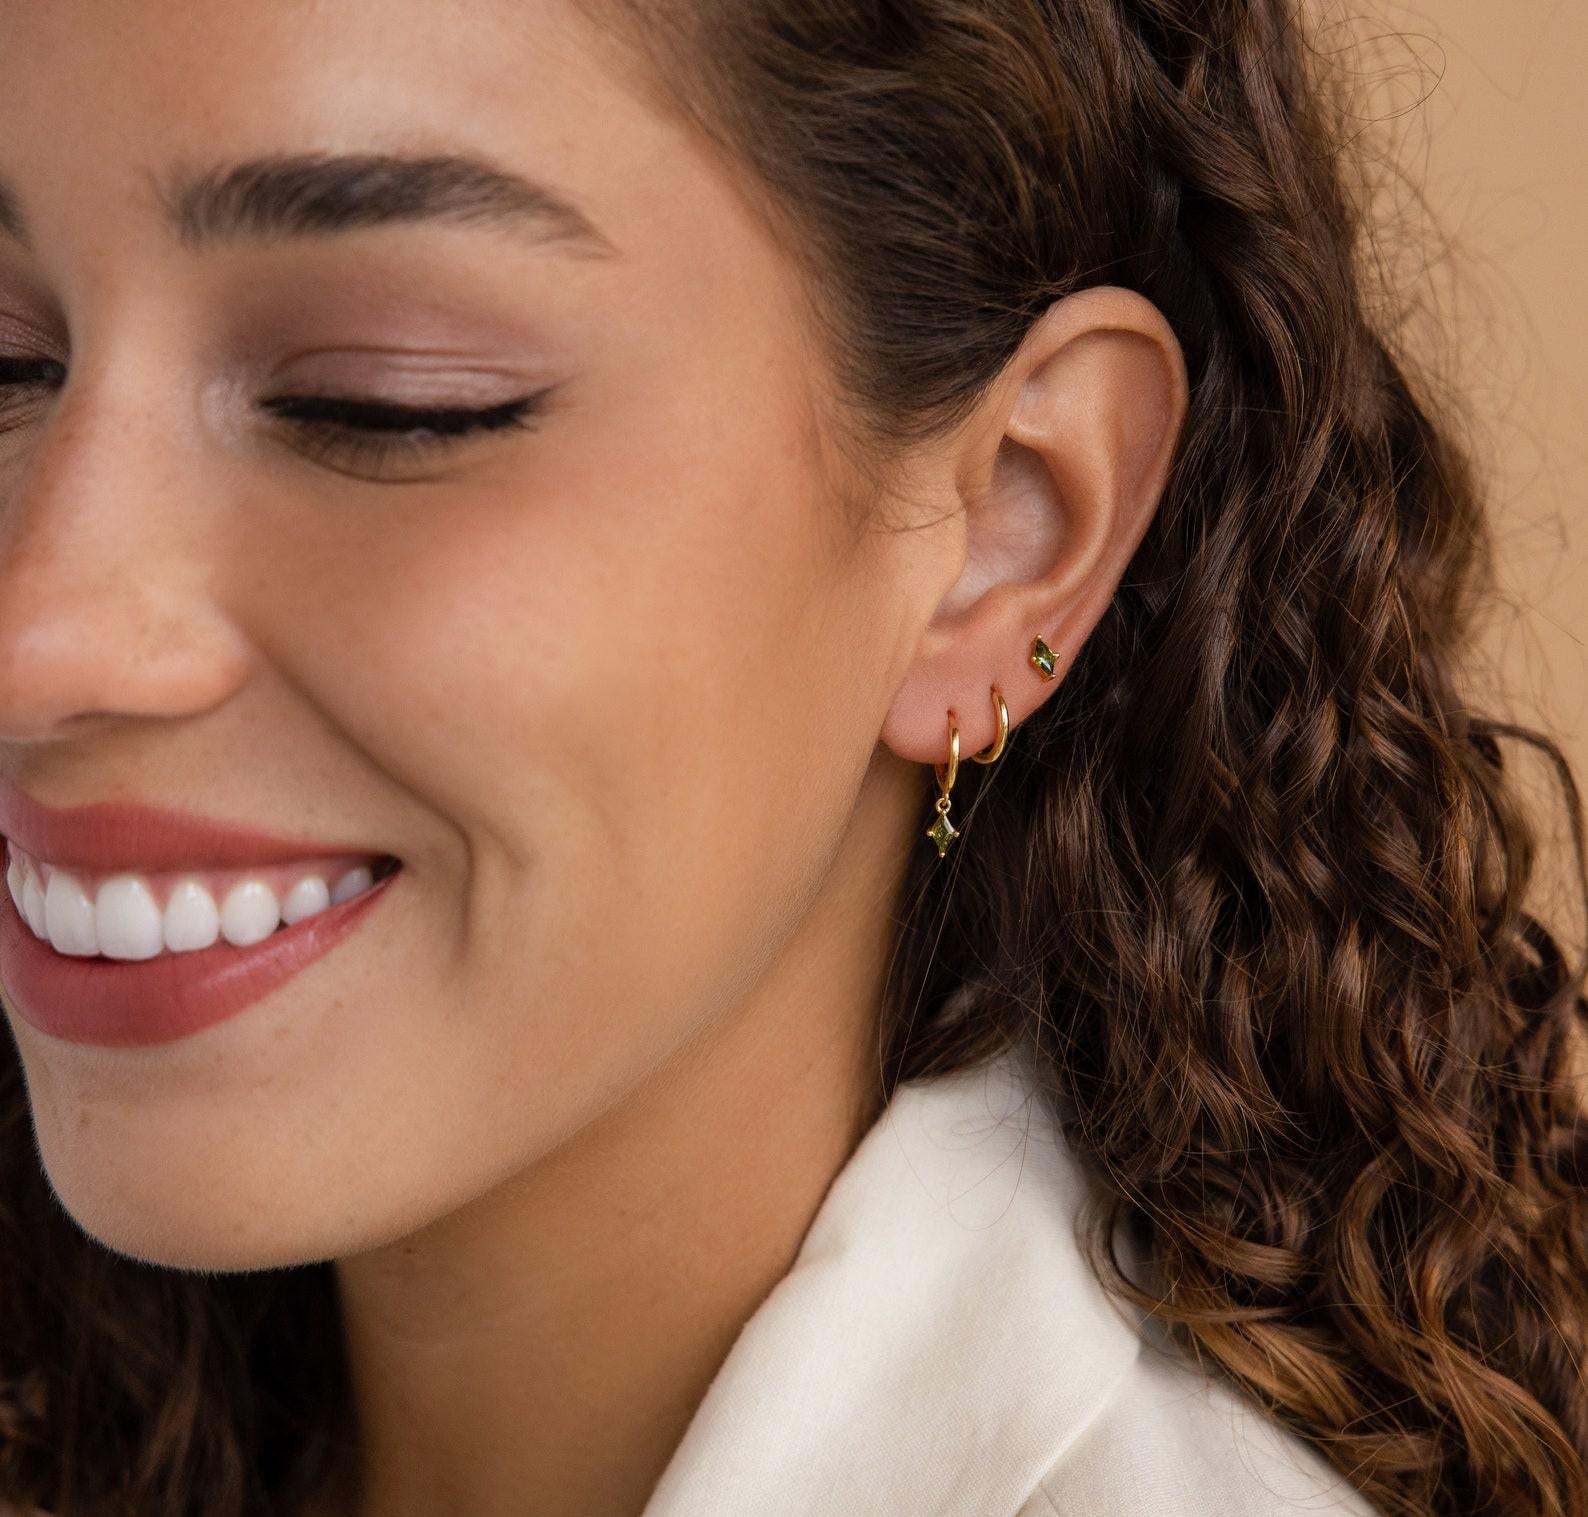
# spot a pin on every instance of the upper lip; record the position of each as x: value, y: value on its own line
x: 123, y: 835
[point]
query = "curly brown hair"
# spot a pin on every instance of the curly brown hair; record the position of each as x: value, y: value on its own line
x: 1267, y: 934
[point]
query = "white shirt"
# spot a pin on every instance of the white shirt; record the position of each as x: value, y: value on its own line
x: 940, y: 1348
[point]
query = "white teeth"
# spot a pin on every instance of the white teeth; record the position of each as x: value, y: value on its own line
x: 33, y: 904
x: 69, y: 916
x: 351, y: 883
x: 249, y: 914
x: 128, y: 920
x: 125, y: 920
x: 307, y: 898
x: 192, y: 919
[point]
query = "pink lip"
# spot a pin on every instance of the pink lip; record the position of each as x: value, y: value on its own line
x: 143, y: 1001
x: 118, y: 835
x: 126, y: 1001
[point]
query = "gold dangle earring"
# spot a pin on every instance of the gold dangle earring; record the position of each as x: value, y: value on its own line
x: 942, y: 831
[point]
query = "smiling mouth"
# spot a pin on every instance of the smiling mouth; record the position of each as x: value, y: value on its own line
x: 100, y: 999
x: 129, y: 915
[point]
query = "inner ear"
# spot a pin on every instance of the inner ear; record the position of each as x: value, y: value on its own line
x: 1113, y: 386
x: 1087, y: 451
x: 1016, y: 531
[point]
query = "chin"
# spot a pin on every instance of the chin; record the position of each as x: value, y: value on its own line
x: 182, y: 1222
x: 176, y: 1239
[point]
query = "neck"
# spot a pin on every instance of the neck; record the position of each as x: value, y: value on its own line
x: 544, y: 1348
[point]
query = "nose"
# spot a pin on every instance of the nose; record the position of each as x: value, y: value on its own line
x: 106, y: 553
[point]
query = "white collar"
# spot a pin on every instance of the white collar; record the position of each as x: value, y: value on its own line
x: 939, y: 1339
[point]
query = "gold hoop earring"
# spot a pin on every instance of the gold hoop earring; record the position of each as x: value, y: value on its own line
x: 992, y: 754
x: 942, y: 831
x: 1043, y: 658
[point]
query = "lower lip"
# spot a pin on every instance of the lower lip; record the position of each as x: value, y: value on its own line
x: 135, y: 1002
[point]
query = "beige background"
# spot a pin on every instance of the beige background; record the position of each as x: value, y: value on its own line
x: 1479, y: 107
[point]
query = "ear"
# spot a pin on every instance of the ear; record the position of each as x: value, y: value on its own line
x: 1060, y: 477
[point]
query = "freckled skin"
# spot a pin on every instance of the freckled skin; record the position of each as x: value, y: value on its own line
x: 645, y: 724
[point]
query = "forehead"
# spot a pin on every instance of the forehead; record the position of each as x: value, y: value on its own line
x: 97, y: 96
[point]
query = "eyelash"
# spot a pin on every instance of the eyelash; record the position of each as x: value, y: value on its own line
x: 347, y: 427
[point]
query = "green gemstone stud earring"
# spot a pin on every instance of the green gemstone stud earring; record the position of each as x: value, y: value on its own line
x: 1042, y: 657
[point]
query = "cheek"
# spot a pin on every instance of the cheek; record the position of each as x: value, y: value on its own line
x: 612, y: 701
x: 612, y: 725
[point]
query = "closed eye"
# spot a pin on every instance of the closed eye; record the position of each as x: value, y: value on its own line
x: 23, y: 373
x: 355, y: 428
x: 377, y: 431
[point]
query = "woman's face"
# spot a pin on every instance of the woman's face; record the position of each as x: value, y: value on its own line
x: 607, y: 684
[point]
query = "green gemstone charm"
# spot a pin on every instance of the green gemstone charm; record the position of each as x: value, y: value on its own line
x: 1042, y: 657
x: 942, y: 831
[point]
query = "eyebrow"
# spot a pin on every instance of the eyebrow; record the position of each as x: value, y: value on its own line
x: 322, y: 194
